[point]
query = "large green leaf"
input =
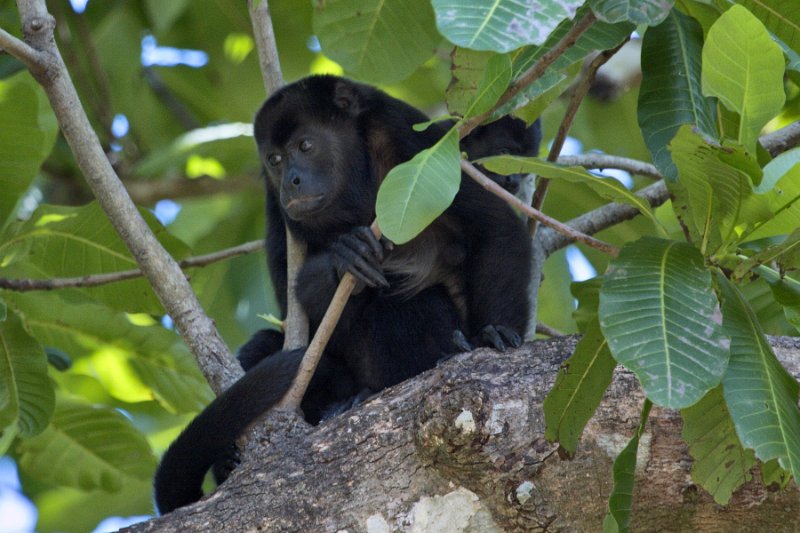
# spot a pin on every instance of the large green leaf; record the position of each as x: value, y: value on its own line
x: 661, y: 318
x: 620, y: 502
x: 134, y: 363
x: 720, y: 465
x: 579, y: 387
x: 376, y: 40
x: 781, y: 17
x: 500, y: 25
x: 414, y: 193
x: 761, y: 395
x: 78, y: 241
x: 607, y: 188
x: 650, y: 12
x: 26, y: 137
x: 87, y: 448
x: 743, y: 67
x: 714, y: 194
x: 26, y: 394
x: 670, y: 95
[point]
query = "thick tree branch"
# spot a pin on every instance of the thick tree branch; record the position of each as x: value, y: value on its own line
x: 460, y: 448
x: 782, y: 140
x: 161, y: 270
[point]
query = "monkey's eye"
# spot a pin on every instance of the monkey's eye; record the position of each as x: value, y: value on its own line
x: 305, y: 145
x: 274, y: 159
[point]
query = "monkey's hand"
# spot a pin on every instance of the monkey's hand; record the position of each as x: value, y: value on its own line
x: 497, y: 337
x: 361, y: 254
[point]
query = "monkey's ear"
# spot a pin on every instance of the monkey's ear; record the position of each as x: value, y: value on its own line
x: 348, y: 97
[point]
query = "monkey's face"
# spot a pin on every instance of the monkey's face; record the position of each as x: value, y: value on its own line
x: 309, y: 168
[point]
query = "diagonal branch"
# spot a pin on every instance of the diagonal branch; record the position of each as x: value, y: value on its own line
x: 161, y: 270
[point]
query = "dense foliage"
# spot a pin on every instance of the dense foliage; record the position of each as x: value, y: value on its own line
x: 93, y: 380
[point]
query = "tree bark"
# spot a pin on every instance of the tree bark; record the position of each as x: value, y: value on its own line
x: 460, y: 449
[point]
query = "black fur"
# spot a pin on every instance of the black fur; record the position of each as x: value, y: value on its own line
x: 508, y: 135
x: 326, y: 143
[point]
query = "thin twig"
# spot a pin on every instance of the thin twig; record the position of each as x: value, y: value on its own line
x: 533, y: 73
x: 580, y: 92
x: 604, y: 161
x: 96, y: 280
x: 321, y: 337
x: 19, y: 49
x: 560, y: 227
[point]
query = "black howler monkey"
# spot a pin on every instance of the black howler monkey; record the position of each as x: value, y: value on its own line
x: 507, y: 135
x: 325, y: 145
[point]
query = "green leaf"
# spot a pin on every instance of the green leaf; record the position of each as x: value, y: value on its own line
x: 607, y: 188
x: 495, y: 80
x: 781, y: 17
x: 600, y: 36
x: 720, y: 465
x: 714, y: 193
x: 670, y: 95
x: 162, y: 15
x: 786, y: 292
x: 134, y: 363
x: 499, y: 25
x: 77, y: 241
x: 579, y: 387
x: 26, y: 138
x: 414, y: 193
x: 650, y: 12
x: 772, y: 473
x: 587, y: 293
x: 781, y: 187
x: 743, y: 67
x: 786, y: 254
x: 26, y: 394
x: 661, y: 318
x: 761, y: 395
x: 377, y: 40
x: 620, y: 501
x: 87, y: 448
x: 467, y: 71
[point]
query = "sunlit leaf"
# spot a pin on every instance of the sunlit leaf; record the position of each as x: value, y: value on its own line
x: 414, y: 193
x: 781, y: 17
x: 743, y: 67
x: 26, y: 138
x: 26, y: 394
x: 366, y: 38
x: 87, y: 448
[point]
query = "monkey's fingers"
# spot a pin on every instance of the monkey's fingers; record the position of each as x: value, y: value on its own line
x: 489, y: 336
x: 348, y: 260
x: 511, y: 337
x: 366, y: 242
x: 461, y: 342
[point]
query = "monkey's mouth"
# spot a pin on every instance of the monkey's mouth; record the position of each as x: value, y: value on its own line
x: 300, y: 208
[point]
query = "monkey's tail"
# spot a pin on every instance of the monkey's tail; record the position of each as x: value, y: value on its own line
x: 214, y: 431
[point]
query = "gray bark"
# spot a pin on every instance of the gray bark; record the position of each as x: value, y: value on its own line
x: 460, y: 449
